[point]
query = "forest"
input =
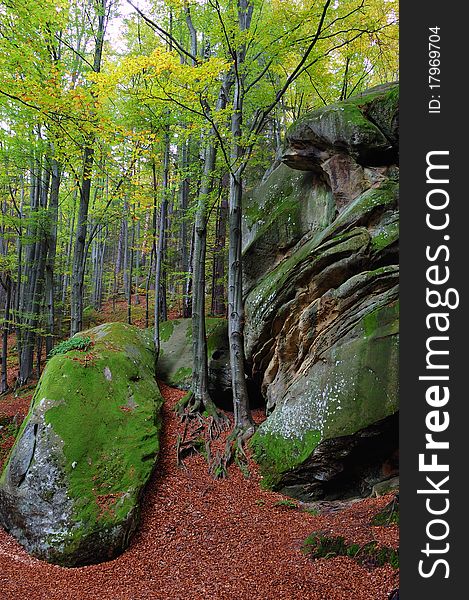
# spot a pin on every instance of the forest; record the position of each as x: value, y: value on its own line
x: 133, y: 137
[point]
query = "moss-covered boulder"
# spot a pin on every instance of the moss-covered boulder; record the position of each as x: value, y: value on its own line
x: 175, y: 360
x: 70, y: 492
x: 322, y: 321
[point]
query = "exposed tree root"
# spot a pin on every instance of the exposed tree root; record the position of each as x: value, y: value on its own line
x: 235, y: 449
x: 188, y: 404
x: 200, y: 429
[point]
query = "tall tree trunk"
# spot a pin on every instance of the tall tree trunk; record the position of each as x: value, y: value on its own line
x: 131, y: 264
x: 147, y: 288
x: 183, y: 233
x: 243, y: 420
x: 78, y: 267
x: 136, y: 234
x: 34, y: 275
x: 242, y: 412
x: 79, y: 256
x: 218, y: 308
x: 68, y: 262
x: 51, y: 253
x: 19, y: 272
x: 160, y: 248
x: 125, y: 253
x: 188, y: 283
x: 201, y: 395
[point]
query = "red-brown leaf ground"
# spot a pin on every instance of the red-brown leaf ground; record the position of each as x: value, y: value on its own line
x: 204, y: 539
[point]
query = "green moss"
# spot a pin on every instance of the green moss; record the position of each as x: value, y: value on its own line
x: 175, y: 360
x: 276, y: 454
x: 216, y: 334
x: 385, y: 237
x: 382, y: 322
x: 272, y: 196
x: 166, y: 330
x: 385, y: 94
x: 360, y: 122
x: 182, y: 374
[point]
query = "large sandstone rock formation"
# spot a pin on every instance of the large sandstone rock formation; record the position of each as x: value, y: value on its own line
x: 71, y: 489
x: 321, y: 276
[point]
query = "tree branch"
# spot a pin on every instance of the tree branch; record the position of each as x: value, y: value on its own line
x: 167, y: 37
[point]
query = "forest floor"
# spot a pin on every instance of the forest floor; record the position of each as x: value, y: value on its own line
x: 205, y: 539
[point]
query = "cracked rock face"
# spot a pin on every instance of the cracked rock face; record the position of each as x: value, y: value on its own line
x: 322, y: 320
x: 71, y: 489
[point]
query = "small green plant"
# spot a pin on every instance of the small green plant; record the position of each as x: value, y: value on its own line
x: 312, y: 510
x: 369, y: 555
x: 260, y: 502
x: 76, y: 343
x: 286, y: 503
x: 389, y: 515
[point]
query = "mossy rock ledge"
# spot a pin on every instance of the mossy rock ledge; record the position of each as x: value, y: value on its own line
x: 322, y: 317
x: 70, y: 492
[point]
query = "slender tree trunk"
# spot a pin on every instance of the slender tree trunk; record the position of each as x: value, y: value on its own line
x: 34, y: 275
x: 5, y: 330
x: 38, y: 355
x: 78, y: 268
x: 125, y: 262
x: 243, y: 420
x: 160, y: 249
x: 242, y: 412
x: 136, y: 234
x: 188, y: 284
x: 79, y: 256
x: 68, y: 262
x: 51, y: 253
x: 19, y: 272
x: 219, y: 259
x: 183, y: 233
x: 131, y: 263
x: 147, y: 288
x: 199, y: 335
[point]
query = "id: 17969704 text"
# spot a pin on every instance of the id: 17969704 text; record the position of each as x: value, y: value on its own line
x: 434, y: 71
